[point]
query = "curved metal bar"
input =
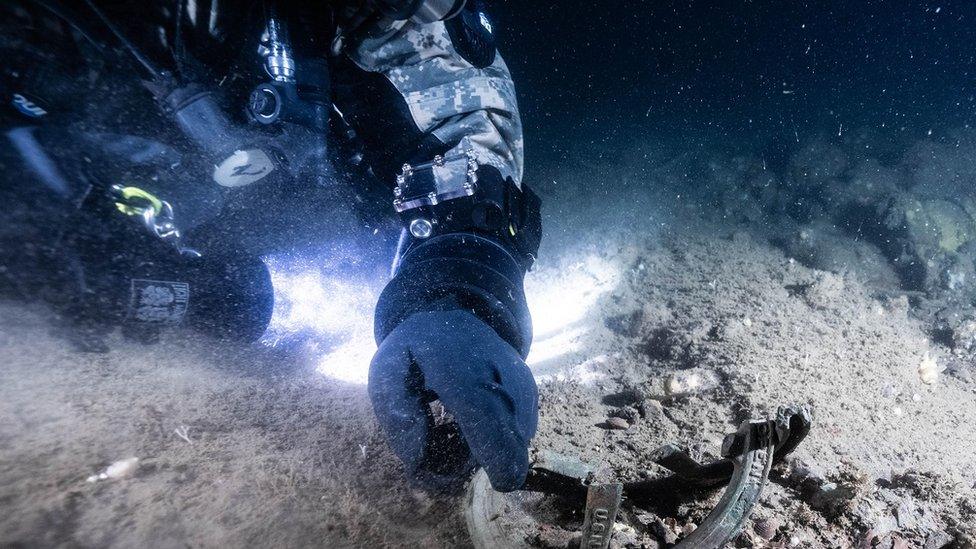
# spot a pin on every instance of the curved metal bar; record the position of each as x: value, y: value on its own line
x: 751, y: 470
x: 748, y: 455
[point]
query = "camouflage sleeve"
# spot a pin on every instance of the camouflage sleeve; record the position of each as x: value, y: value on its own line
x: 463, y: 106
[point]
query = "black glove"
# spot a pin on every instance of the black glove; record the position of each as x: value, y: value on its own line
x: 489, y: 394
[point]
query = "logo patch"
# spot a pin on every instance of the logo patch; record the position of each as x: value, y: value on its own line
x: 158, y: 301
x: 485, y: 22
x: 27, y: 107
x: 243, y: 168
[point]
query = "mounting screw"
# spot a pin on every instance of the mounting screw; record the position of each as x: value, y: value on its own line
x: 421, y: 228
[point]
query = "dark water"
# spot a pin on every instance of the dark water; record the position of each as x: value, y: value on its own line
x: 761, y: 68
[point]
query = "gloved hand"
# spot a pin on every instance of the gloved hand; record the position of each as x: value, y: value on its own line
x: 481, y: 381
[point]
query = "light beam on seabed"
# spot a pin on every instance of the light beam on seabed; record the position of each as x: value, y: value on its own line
x: 329, y: 313
x: 560, y: 298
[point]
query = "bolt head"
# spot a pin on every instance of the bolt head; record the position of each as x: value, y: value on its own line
x: 421, y: 228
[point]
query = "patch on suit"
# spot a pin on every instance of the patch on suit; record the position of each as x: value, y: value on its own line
x: 158, y: 301
x: 243, y: 168
x: 473, y: 35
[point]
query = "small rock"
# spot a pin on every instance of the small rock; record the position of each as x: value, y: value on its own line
x: 833, y: 499
x: 553, y: 537
x: 624, y: 535
x: 938, y: 540
x: 663, y: 532
x: 645, y: 519
x: 629, y: 414
x: 804, y: 476
x: 650, y: 409
x: 867, y: 542
x: 688, y: 529
x: 617, y: 423
x: 766, y: 528
x: 744, y: 539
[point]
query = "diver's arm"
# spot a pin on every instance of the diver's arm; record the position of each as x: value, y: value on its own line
x: 435, y: 106
x: 419, y: 91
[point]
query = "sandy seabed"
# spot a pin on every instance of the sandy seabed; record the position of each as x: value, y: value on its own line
x: 255, y: 447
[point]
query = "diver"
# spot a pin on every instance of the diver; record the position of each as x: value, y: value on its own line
x: 419, y: 87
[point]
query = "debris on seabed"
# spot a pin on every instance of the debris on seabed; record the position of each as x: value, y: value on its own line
x: 183, y: 432
x: 695, y: 380
x: 766, y: 528
x: 119, y: 469
x: 929, y: 369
